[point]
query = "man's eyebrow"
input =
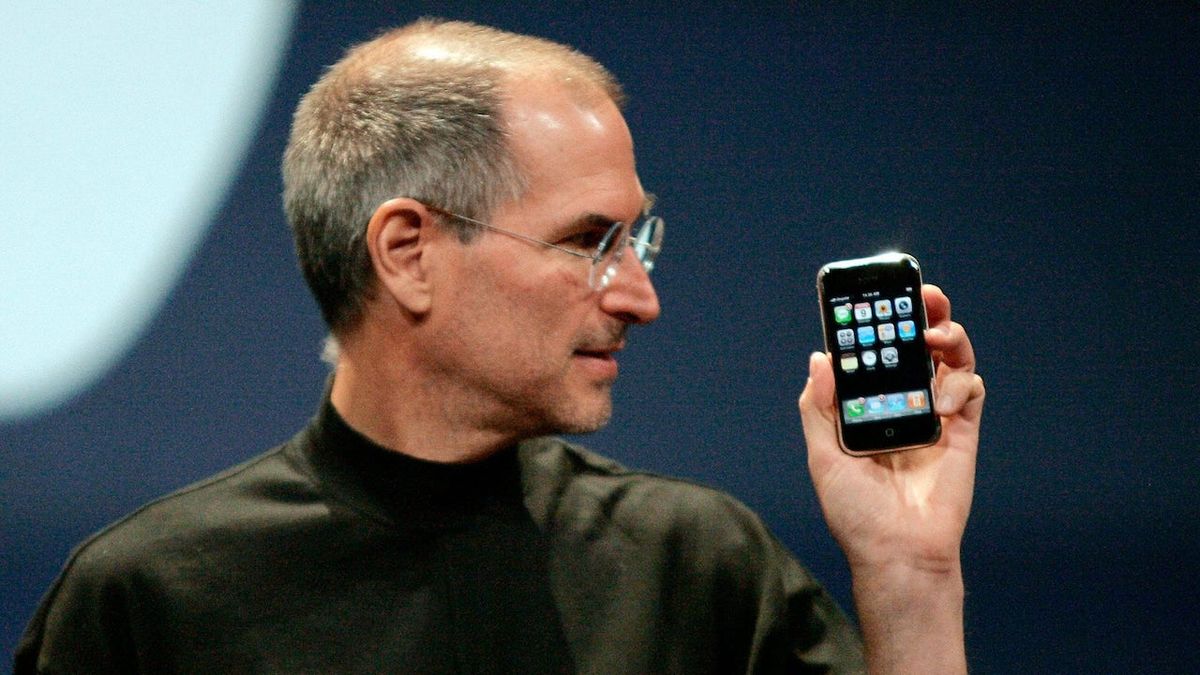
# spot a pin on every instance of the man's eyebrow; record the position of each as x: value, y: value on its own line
x: 600, y: 221
x: 596, y: 220
x: 586, y: 221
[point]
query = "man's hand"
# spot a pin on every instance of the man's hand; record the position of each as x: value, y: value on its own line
x: 899, y: 517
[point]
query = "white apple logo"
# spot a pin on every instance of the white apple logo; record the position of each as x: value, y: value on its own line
x: 121, y: 127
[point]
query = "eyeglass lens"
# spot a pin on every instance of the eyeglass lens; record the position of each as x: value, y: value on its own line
x: 645, y: 241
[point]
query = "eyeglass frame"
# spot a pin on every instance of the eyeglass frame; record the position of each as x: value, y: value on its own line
x: 646, y: 252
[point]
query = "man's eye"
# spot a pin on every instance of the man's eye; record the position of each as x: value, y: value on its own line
x: 585, y: 242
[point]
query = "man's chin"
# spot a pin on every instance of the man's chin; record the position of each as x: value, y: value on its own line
x: 586, y: 418
x: 584, y: 427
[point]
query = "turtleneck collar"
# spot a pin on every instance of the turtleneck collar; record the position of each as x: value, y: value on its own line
x: 406, y: 491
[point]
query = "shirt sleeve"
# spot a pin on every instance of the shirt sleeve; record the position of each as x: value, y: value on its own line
x: 798, y: 627
x: 81, y: 626
x: 822, y: 638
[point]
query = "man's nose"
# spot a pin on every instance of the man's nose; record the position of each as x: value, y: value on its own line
x: 630, y: 295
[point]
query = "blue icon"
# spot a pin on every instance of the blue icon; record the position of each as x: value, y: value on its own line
x: 866, y: 335
x: 875, y: 404
x: 906, y: 329
x: 896, y: 402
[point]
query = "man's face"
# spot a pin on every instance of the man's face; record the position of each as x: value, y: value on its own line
x: 528, y: 342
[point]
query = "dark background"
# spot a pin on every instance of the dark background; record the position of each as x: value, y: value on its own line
x: 1043, y: 167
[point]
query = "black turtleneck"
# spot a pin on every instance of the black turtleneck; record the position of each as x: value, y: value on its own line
x: 331, y: 554
x: 490, y: 604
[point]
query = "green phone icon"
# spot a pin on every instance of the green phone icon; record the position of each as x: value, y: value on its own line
x: 841, y: 314
x: 854, y: 409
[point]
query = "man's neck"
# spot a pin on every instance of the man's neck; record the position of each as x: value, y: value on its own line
x: 386, y: 401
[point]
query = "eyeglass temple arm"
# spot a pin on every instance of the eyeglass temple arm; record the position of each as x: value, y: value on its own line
x: 510, y: 233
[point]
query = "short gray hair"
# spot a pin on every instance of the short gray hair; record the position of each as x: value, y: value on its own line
x: 416, y: 112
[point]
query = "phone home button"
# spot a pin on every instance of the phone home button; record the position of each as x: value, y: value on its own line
x: 889, y: 432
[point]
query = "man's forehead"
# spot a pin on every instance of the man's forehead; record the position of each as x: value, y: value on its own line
x: 546, y: 111
x: 529, y: 89
x: 575, y: 151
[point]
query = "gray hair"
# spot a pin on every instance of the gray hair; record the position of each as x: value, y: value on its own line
x: 416, y: 112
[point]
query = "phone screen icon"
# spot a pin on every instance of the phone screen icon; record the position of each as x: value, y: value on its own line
x: 862, y: 312
x: 841, y: 313
x: 917, y: 400
x: 889, y: 355
x: 849, y: 362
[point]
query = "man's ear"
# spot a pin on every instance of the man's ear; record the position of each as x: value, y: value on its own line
x: 398, y: 236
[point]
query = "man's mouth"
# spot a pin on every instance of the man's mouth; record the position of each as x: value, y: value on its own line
x: 604, y: 348
x: 598, y: 353
x: 600, y: 359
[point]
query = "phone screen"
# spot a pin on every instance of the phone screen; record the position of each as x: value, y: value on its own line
x: 874, y: 320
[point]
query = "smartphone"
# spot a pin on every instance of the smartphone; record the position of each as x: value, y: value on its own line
x: 874, y: 322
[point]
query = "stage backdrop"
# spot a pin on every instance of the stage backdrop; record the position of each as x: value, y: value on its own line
x: 1044, y: 168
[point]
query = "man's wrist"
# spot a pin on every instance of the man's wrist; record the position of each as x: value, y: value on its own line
x: 911, y: 615
x: 931, y: 565
x: 909, y: 582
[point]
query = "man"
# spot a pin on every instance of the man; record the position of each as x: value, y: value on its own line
x: 460, y: 199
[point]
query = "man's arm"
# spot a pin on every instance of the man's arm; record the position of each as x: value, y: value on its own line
x: 899, y: 517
